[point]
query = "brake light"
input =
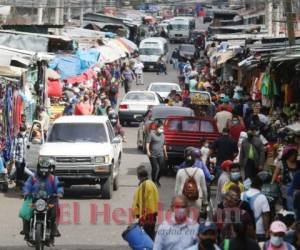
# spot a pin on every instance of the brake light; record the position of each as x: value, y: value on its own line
x: 123, y: 106
x: 152, y: 126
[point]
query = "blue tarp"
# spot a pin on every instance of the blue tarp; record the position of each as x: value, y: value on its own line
x: 74, y: 65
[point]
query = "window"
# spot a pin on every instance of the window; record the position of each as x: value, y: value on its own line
x: 150, y: 52
x: 207, y: 127
x: 134, y: 96
x: 174, y: 125
x: 111, y: 132
x: 191, y: 126
x: 78, y: 132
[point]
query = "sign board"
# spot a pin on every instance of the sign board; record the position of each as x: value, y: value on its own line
x: 200, y: 98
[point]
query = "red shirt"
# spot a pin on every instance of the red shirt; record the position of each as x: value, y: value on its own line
x: 235, y: 131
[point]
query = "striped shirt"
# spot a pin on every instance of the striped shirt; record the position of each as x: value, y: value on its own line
x: 19, y: 148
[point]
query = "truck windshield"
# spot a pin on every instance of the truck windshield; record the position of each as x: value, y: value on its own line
x: 150, y: 51
x: 78, y: 132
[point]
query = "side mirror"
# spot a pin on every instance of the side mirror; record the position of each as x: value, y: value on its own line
x: 139, y: 118
x: 116, y: 140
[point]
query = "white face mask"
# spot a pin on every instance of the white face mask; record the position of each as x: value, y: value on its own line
x: 160, y: 130
x: 23, y: 133
x: 276, y: 241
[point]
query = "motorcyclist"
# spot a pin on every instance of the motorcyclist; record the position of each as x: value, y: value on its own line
x: 44, y: 176
x: 114, y: 120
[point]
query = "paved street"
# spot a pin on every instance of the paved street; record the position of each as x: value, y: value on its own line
x: 81, y: 234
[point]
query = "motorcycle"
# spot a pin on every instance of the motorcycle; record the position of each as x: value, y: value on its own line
x: 40, y: 224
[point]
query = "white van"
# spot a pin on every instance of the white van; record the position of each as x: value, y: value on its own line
x: 151, y: 49
x: 179, y: 29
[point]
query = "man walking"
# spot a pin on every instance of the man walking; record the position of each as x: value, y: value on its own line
x: 157, y: 152
x: 145, y: 202
x: 128, y: 77
x: 252, y: 154
x: 225, y: 148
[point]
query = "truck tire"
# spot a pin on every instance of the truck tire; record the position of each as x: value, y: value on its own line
x: 107, y: 188
x: 116, y: 183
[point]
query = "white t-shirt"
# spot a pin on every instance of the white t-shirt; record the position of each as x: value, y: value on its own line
x: 204, y: 153
x: 138, y: 68
x: 261, y: 205
x: 222, y: 117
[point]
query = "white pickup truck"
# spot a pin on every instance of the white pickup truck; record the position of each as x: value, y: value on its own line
x: 85, y: 150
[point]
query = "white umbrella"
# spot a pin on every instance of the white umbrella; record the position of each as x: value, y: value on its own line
x: 108, y: 54
x: 115, y: 46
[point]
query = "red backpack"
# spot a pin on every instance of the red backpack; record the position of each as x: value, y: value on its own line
x: 190, y: 187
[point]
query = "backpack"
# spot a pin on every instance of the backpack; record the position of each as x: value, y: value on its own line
x: 251, y: 201
x: 288, y: 246
x: 190, y: 188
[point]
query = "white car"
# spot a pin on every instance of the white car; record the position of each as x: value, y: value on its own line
x: 163, y: 88
x: 135, y: 104
x: 84, y: 149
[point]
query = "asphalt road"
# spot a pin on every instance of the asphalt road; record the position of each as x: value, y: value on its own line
x: 81, y: 226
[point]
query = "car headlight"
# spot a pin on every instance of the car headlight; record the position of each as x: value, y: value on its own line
x: 40, y: 205
x: 46, y: 161
x: 102, y: 159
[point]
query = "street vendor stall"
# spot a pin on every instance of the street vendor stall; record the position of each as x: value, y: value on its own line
x: 200, y: 102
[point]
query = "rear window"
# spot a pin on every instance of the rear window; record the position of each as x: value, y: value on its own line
x: 163, y: 88
x: 190, y: 126
x: 161, y: 113
x: 140, y: 97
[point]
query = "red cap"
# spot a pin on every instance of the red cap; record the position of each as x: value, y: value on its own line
x: 226, y: 164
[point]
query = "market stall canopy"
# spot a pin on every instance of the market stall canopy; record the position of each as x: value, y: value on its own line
x: 10, y: 71
x: 150, y: 19
x: 35, y: 42
x: 113, y: 43
x: 108, y: 54
x: 129, y: 43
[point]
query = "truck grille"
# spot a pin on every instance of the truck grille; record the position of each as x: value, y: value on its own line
x: 74, y: 160
x: 59, y: 172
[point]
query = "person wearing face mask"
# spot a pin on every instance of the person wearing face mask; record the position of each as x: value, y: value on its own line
x: 260, y: 207
x: 157, y: 152
x: 235, y: 126
x: 191, y: 171
x: 252, y: 154
x: 145, y: 202
x: 118, y: 129
x: 235, y: 178
x: 207, y: 235
x: 178, y: 231
x: 223, y: 179
x: 277, y: 232
x: 19, y: 157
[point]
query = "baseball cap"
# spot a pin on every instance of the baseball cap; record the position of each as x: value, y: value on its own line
x: 226, y: 164
x: 278, y: 227
x: 206, y: 226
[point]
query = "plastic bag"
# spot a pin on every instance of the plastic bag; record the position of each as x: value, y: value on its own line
x: 26, y: 210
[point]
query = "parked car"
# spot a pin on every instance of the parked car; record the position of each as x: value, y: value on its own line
x: 85, y: 150
x: 164, y: 88
x: 183, y: 131
x: 157, y: 113
x: 137, y: 103
x: 187, y: 51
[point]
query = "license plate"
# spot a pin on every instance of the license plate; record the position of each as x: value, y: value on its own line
x: 151, y: 66
x: 135, y: 116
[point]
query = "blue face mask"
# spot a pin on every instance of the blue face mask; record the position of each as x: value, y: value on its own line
x: 235, y: 176
x: 276, y: 241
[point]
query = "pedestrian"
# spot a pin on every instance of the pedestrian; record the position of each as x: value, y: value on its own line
x: 175, y: 58
x: 128, y: 78
x: 24, y: 121
x: 157, y: 152
x: 260, y: 207
x: 178, y: 232
x: 277, y: 232
x: 235, y: 126
x: 204, y: 148
x: 190, y: 182
x: 19, y: 157
x: 161, y: 63
x: 223, y: 179
x: 207, y: 237
x: 145, y: 202
x: 241, y: 240
x: 44, y: 118
x: 138, y: 70
x: 224, y: 148
x: 229, y: 212
x: 235, y: 178
x: 287, y: 167
x: 222, y: 117
x: 252, y: 154
x: 113, y: 92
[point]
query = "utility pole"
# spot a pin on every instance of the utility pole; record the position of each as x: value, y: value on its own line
x: 269, y: 17
x: 81, y: 14
x: 62, y: 12
x: 57, y: 12
x: 40, y: 15
x: 289, y: 21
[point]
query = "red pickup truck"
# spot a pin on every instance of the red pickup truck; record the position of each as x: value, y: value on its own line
x: 183, y: 131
